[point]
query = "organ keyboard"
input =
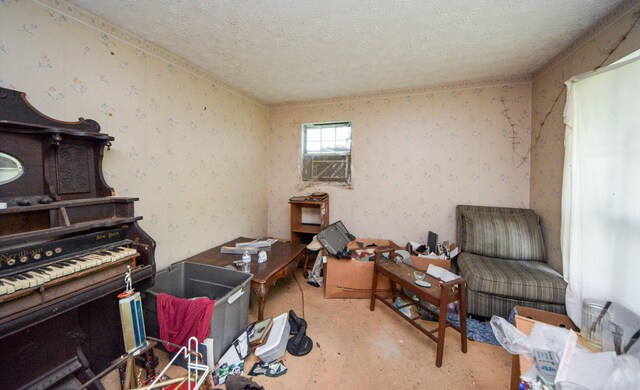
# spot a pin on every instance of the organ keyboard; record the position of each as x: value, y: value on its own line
x: 41, y: 275
x: 66, y: 243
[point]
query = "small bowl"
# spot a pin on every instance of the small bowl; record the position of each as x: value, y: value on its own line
x: 419, y: 275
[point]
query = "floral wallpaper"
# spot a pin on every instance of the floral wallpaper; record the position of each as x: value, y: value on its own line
x: 193, y: 151
x: 415, y: 157
x: 547, y: 161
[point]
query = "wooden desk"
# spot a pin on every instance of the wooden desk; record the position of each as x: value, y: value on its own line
x: 282, y: 260
x: 439, y: 296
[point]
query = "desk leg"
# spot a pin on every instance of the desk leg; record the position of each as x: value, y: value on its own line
x: 373, y: 289
x: 462, y: 311
x: 307, y: 255
x: 261, y: 292
x: 442, y: 326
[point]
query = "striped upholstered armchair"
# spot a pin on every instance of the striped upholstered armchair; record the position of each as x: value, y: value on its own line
x: 504, y: 263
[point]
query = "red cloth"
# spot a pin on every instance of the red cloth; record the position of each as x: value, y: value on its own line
x: 180, y: 318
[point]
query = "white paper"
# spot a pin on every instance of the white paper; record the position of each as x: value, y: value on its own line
x: 567, y: 356
x: 441, y: 273
x: 209, y: 343
x: 590, y: 370
x: 433, y: 256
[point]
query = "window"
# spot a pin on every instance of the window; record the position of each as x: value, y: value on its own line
x: 601, y: 185
x: 326, y: 152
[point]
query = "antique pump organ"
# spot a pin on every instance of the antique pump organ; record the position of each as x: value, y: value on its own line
x: 66, y: 243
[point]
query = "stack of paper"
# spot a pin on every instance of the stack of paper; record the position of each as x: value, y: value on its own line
x: 257, y: 243
x: 441, y: 273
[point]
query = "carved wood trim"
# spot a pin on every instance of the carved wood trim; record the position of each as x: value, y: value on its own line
x: 14, y: 105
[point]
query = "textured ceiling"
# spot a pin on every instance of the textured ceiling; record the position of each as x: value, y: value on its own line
x: 299, y: 50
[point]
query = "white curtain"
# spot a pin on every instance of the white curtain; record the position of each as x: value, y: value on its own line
x: 601, y: 187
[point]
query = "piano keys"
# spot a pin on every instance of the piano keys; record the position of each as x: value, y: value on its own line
x: 66, y: 242
x: 39, y: 276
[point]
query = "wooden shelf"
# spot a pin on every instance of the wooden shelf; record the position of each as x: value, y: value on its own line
x: 306, y: 228
x: 302, y: 233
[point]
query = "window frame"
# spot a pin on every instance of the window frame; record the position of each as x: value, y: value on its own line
x: 306, y: 155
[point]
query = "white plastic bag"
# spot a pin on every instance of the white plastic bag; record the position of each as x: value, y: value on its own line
x: 626, y: 373
x: 509, y: 336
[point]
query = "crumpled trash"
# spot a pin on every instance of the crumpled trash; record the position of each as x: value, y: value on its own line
x: 626, y: 368
x: 272, y: 369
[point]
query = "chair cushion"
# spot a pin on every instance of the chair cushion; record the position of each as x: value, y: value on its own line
x: 529, y: 280
x: 514, y: 236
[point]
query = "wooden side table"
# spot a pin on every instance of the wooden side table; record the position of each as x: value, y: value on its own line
x: 440, y: 294
x: 302, y: 233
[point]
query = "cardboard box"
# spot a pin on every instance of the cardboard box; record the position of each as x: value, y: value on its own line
x: 346, y: 278
x: 525, y: 321
x: 422, y: 263
x: 547, y: 317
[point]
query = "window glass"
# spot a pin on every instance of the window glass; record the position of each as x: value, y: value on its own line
x: 326, y: 153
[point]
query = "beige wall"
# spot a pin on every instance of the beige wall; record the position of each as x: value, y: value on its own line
x: 194, y: 152
x: 202, y: 173
x: 547, y: 158
x: 415, y: 158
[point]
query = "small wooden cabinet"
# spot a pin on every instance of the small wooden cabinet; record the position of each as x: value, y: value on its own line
x: 302, y: 233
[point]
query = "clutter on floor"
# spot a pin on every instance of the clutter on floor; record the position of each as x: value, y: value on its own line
x: 276, y: 343
x: 271, y: 338
x: 232, y: 362
x: 273, y: 369
x: 553, y: 355
x: 300, y: 344
x: 242, y: 383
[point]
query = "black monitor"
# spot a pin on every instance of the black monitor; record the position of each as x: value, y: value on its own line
x: 335, y: 237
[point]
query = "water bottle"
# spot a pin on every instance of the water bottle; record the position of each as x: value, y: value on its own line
x: 246, y: 261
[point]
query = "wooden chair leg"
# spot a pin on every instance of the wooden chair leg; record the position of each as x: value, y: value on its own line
x: 372, y: 305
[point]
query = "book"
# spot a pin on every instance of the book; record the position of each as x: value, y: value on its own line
x: 259, y: 332
x: 238, y: 250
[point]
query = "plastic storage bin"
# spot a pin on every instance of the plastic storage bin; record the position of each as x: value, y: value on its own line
x: 229, y: 288
x: 277, y: 341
